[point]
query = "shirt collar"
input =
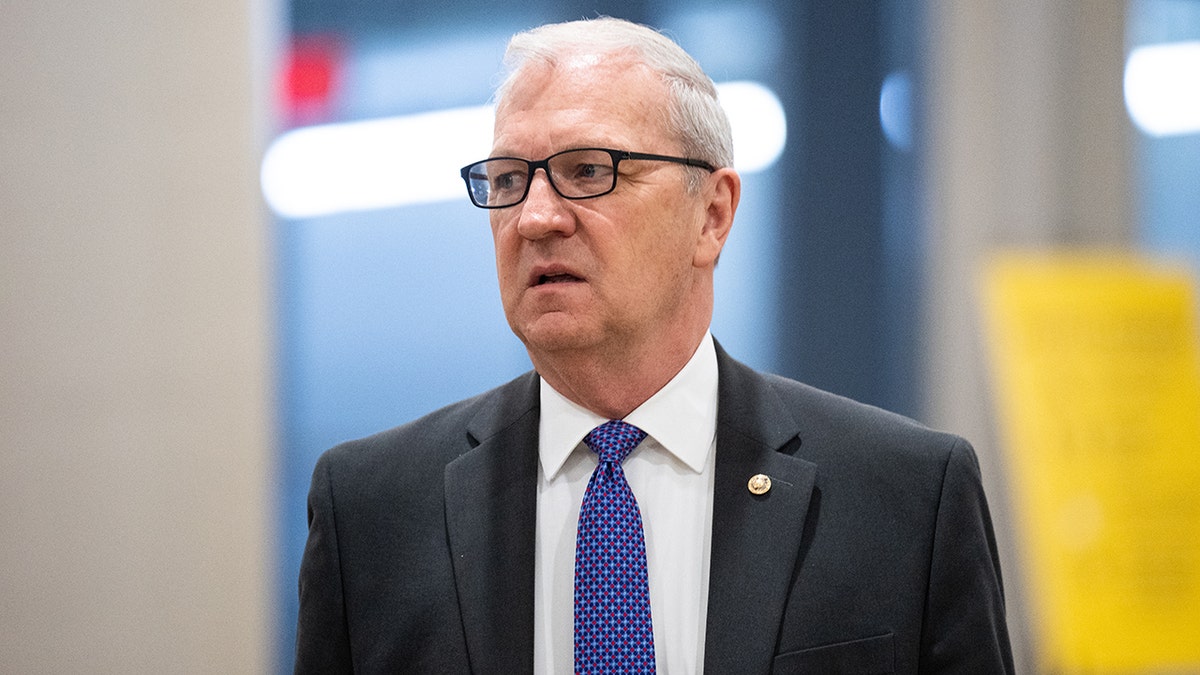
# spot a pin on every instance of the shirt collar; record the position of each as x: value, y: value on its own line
x: 681, y: 417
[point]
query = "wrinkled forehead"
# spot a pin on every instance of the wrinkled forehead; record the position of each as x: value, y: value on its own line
x: 610, y: 90
x: 577, y: 61
x: 615, y: 74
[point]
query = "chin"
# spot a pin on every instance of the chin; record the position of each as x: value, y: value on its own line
x: 550, y: 342
x: 555, y: 334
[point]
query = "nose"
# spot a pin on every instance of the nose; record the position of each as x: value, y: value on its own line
x: 544, y: 212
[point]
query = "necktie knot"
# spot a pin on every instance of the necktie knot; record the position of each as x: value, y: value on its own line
x: 614, y: 440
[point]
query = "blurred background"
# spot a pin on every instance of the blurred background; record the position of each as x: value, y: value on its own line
x: 232, y: 236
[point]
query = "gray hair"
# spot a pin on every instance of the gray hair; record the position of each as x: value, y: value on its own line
x: 694, y: 115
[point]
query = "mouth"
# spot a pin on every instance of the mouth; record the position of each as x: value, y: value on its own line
x: 553, y: 273
x: 555, y: 278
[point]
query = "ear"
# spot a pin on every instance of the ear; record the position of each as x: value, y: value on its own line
x: 721, y: 195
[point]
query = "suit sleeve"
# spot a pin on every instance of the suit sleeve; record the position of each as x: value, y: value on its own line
x: 322, y: 635
x: 965, y: 629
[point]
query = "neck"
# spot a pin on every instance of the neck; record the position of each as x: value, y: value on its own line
x: 614, y: 383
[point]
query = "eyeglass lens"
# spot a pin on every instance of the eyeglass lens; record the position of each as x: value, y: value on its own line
x: 574, y: 174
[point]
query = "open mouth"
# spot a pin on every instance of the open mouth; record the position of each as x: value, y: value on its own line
x: 556, y: 279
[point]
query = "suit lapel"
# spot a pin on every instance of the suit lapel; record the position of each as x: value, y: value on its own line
x: 755, y: 538
x: 491, y: 520
x: 491, y: 514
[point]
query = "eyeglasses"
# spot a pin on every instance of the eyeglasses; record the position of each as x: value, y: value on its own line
x: 574, y: 174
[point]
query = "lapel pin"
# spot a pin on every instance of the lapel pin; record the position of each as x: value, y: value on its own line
x: 759, y: 484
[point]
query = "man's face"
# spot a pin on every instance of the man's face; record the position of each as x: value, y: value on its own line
x: 612, y: 272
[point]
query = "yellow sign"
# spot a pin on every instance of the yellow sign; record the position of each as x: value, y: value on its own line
x: 1097, y: 376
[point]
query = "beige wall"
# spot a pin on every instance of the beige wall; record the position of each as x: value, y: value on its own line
x: 134, y: 337
x: 1029, y: 148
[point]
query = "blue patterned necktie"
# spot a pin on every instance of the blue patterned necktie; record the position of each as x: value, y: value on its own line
x: 613, y: 632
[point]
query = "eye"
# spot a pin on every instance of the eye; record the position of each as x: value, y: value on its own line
x: 591, y: 171
x: 509, y: 180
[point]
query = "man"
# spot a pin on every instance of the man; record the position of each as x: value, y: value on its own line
x: 770, y: 528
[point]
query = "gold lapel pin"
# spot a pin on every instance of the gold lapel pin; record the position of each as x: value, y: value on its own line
x: 759, y: 484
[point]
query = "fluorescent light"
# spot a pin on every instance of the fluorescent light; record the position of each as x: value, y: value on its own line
x: 758, y: 122
x: 374, y: 164
x: 895, y: 109
x: 414, y: 159
x: 1162, y: 88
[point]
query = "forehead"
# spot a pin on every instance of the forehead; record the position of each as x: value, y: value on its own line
x: 603, y: 100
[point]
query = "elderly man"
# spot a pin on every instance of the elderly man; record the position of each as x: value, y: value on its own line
x: 640, y: 501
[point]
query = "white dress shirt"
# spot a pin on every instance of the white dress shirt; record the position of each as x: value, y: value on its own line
x: 671, y: 474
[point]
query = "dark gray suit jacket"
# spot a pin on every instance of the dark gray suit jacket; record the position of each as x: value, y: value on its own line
x: 872, y: 552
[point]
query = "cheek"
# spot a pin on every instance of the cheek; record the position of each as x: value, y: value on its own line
x: 504, y: 246
x: 669, y: 247
x: 497, y: 223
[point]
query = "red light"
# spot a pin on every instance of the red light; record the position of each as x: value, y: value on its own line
x: 310, y: 78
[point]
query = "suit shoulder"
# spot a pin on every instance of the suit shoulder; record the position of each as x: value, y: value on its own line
x: 827, y: 415
x: 436, y: 438
x: 832, y: 427
x: 825, y: 407
x: 858, y: 449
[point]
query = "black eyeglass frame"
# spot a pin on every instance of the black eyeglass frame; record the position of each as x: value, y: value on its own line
x: 544, y: 165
